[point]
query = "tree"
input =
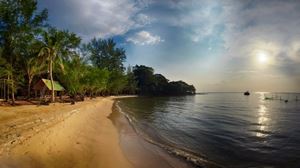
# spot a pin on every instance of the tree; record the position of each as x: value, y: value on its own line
x: 19, y: 20
x: 96, y: 80
x: 57, y: 45
x: 144, y: 76
x: 30, y: 62
x: 32, y: 68
x: 116, y: 82
x: 180, y: 88
x: 156, y: 84
x: 160, y: 84
x: 131, y: 83
x: 7, y: 71
x: 72, y: 76
x: 105, y: 54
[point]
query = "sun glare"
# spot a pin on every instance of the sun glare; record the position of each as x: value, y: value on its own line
x: 262, y: 57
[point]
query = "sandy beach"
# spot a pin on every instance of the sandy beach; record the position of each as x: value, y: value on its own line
x: 86, y: 134
x: 77, y: 136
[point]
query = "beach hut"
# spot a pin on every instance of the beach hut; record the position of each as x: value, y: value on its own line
x: 43, y: 88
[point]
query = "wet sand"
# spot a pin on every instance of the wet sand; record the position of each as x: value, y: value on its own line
x: 140, y: 152
x: 84, y: 138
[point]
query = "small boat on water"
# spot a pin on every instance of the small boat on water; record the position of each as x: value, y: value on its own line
x: 247, y: 93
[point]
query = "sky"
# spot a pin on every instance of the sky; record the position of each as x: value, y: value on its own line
x: 216, y: 45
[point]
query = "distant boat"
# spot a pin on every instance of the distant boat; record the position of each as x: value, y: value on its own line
x: 247, y: 93
x: 269, y: 98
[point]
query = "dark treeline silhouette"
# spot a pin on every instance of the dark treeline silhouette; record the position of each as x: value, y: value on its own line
x: 32, y: 49
x: 149, y: 83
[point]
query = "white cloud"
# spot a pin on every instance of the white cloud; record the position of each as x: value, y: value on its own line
x: 144, y: 38
x: 142, y: 20
x: 294, y: 51
x: 243, y: 26
x: 97, y: 18
x: 199, y: 18
x: 271, y: 26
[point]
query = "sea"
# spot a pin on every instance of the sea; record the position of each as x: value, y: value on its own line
x: 221, y: 129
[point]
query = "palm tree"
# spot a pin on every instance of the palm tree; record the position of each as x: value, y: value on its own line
x: 33, y: 68
x: 7, y: 71
x: 19, y: 21
x: 57, y: 45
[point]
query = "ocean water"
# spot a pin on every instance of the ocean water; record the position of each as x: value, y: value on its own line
x: 222, y: 129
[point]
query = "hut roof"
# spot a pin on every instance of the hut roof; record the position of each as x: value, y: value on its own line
x: 45, y: 82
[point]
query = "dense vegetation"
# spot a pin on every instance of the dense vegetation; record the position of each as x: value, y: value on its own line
x: 149, y: 83
x: 31, y: 49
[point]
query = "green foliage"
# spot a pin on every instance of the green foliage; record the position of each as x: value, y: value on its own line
x: 95, y: 80
x: 72, y: 76
x: 30, y: 48
x: 180, y: 88
x: 20, y: 23
x: 144, y: 77
x: 105, y: 54
x: 116, y: 82
x: 12, y: 77
x: 131, y: 83
x: 156, y: 84
x: 57, y: 46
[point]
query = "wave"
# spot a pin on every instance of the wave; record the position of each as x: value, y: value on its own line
x: 191, y: 157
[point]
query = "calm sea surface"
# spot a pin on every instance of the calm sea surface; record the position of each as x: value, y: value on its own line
x: 228, y: 129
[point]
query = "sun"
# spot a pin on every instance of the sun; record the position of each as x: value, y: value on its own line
x: 262, y: 57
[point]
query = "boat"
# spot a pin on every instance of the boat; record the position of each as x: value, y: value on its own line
x: 269, y: 98
x: 247, y: 93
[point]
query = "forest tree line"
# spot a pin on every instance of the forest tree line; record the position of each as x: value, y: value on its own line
x: 32, y: 49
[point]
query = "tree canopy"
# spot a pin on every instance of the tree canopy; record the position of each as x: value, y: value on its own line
x: 31, y: 49
x: 105, y: 54
x: 156, y: 84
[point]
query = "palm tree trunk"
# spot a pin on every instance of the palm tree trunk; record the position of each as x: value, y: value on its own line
x: 51, y: 79
x: 29, y: 87
x: 13, y: 96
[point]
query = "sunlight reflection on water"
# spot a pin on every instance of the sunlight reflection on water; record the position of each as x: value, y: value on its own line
x: 262, y: 116
x: 229, y: 128
x: 262, y: 121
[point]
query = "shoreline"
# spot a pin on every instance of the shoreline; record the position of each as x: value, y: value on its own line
x: 170, y: 155
x: 86, y: 138
x: 92, y: 133
x: 139, y: 152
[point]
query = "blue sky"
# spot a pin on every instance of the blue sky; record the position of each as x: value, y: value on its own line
x: 217, y: 45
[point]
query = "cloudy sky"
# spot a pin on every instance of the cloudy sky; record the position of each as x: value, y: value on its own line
x: 217, y: 45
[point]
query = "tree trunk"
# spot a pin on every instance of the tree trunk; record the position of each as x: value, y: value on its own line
x: 29, y: 87
x: 12, y: 92
x: 4, y: 88
x: 51, y: 79
x: 7, y: 87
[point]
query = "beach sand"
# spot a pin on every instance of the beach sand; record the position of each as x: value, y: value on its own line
x: 84, y: 138
x: 84, y: 135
